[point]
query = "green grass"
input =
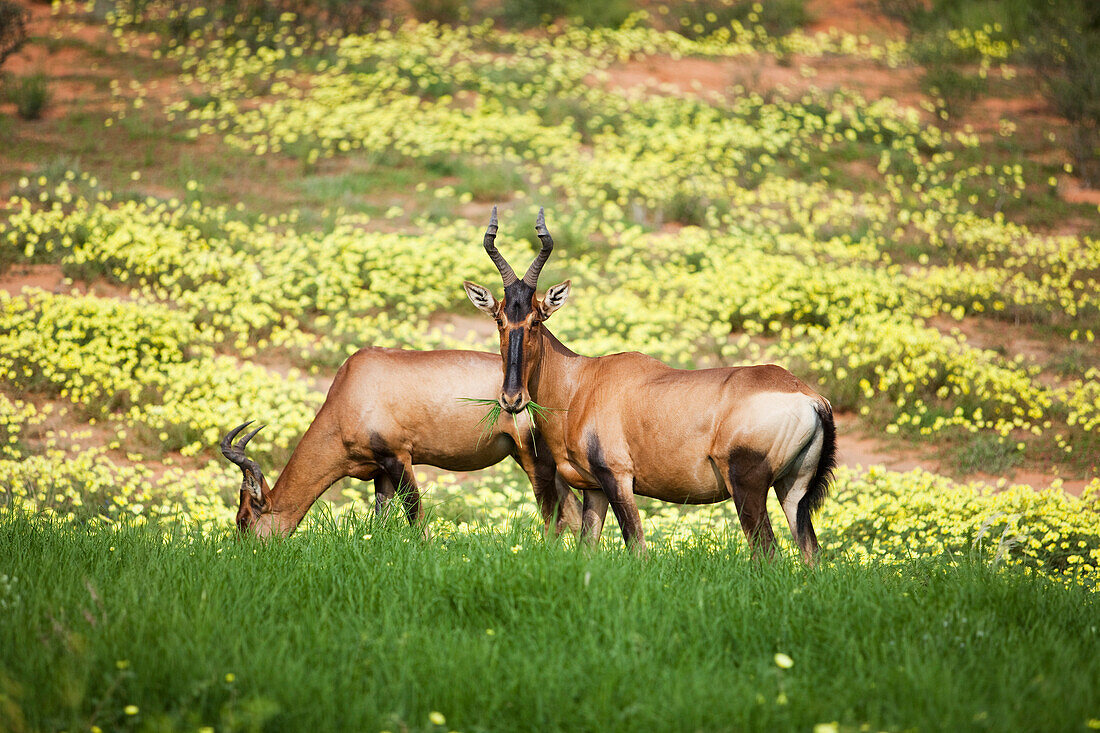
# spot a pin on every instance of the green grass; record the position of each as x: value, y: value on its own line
x: 535, y: 412
x: 487, y: 422
x: 985, y: 453
x: 31, y: 95
x: 500, y: 630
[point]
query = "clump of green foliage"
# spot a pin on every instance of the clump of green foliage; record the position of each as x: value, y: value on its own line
x: 531, y: 13
x: 1059, y: 41
x: 695, y: 18
x: 946, y: 78
x: 534, y: 411
x: 1067, y: 56
x: 249, y: 20
x: 31, y: 94
x: 448, y: 12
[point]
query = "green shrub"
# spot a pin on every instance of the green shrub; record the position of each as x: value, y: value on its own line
x: 921, y: 16
x: 530, y: 13
x: 31, y: 94
x: 250, y: 20
x: 448, y: 12
x: 952, y: 87
x: 694, y: 18
x: 491, y: 182
x: 1066, y: 54
x: 987, y: 453
x: 687, y: 208
x: 606, y: 14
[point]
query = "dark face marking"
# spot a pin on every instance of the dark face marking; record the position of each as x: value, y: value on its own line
x: 517, y: 320
x: 513, y: 362
x: 518, y: 300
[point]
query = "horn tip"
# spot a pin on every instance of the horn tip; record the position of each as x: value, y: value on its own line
x: 234, y: 432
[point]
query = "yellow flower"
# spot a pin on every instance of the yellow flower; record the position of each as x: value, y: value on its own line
x: 130, y: 710
x: 437, y: 718
x: 783, y: 661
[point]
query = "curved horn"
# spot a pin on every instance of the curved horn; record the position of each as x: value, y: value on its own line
x: 532, y: 276
x: 235, y: 454
x: 506, y: 272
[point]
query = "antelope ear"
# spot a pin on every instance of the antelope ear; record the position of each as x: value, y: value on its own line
x: 482, y: 298
x: 554, y: 298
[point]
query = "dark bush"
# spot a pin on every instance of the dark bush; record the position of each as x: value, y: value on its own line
x: 531, y: 13
x: 13, y: 28
x: 248, y: 20
x: 1066, y: 54
x: 30, y: 93
x: 449, y: 12
x: 694, y: 18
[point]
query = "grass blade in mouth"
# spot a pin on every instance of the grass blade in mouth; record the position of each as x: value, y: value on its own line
x: 534, y: 409
x: 487, y: 422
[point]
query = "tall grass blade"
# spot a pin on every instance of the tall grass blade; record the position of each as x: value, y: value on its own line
x: 487, y: 422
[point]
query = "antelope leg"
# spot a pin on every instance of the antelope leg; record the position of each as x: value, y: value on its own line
x: 595, y: 510
x: 748, y: 479
x: 384, y: 491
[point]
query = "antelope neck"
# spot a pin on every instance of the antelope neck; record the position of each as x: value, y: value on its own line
x: 555, y: 378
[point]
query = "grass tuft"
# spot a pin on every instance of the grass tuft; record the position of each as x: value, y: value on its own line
x: 31, y: 94
x: 535, y: 410
x: 487, y: 422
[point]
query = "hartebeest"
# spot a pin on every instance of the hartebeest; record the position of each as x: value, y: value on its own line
x: 386, y: 410
x: 628, y: 424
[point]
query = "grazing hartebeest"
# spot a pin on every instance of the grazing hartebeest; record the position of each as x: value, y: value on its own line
x: 388, y: 409
x: 627, y: 424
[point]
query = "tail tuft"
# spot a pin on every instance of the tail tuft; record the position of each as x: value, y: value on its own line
x: 823, y: 475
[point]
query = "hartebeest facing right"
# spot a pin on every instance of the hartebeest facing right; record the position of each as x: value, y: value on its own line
x: 626, y: 423
x: 388, y: 409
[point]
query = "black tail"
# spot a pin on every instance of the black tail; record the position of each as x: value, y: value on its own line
x: 823, y: 476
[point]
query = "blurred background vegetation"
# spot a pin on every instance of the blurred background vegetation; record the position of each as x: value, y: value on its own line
x: 222, y: 200
x: 1059, y: 40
